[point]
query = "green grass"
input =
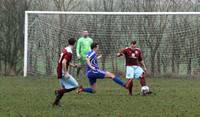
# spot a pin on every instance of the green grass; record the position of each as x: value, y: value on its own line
x: 32, y: 97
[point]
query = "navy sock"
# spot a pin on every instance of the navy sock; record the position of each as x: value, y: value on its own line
x: 88, y: 90
x: 118, y: 81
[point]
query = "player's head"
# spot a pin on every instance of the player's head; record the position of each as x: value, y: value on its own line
x: 72, y: 41
x: 94, y: 46
x: 133, y: 44
x: 85, y: 33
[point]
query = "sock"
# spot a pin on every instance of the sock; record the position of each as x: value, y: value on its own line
x: 129, y: 82
x: 88, y: 90
x: 131, y: 86
x: 118, y: 81
x: 57, y: 99
x: 142, y: 80
x: 62, y: 91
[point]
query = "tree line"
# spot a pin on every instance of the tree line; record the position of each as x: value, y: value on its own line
x: 183, y: 31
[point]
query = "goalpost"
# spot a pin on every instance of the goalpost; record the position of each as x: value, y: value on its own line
x: 170, y: 41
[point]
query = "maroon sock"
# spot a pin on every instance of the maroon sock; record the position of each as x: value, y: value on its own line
x: 62, y: 91
x: 130, y: 87
x: 142, y: 80
x: 130, y: 82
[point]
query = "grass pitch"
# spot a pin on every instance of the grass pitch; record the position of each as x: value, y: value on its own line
x: 32, y: 97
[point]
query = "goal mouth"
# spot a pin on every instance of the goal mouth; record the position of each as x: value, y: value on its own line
x: 170, y: 41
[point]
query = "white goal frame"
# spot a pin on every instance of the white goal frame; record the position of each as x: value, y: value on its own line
x: 85, y: 13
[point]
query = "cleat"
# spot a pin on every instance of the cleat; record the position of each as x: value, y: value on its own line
x: 56, y: 104
x: 146, y: 93
x: 150, y: 92
x: 130, y: 94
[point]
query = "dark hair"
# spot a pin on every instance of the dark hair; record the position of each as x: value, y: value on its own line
x: 71, y: 41
x: 133, y: 42
x: 94, y: 45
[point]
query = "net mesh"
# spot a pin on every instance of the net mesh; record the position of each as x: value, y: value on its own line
x: 170, y: 43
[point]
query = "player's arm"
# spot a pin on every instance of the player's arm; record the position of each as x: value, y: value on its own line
x: 78, y: 49
x: 143, y: 65
x: 99, y: 56
x: 73, y: 65
x: 89, y: 63
x: 141, y: 61
x: 65, y: 68
x: 91, y: 40
x: 121, y: 52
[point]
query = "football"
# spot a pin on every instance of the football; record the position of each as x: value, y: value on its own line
x: 144, y: 90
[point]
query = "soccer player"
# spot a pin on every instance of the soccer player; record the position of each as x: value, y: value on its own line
x: 94, y: 73
x: 67, y: 82
x: 133, y: 56
x: 83, y: 46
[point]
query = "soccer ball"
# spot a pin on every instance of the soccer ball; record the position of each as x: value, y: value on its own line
x: 144, y: 90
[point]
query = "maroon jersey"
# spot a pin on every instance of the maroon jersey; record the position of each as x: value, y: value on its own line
x: 132, y: 56
x: 65, y: 54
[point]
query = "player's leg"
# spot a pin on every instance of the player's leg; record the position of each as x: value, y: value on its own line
x: 81, y: 70
x: 130, y: 77
x: 59, y: 94
x: 129, y: 85
x: 91, y: 89
x: 92, y: 77
x: 143, y: 83
x: 100, y: 74
x: 116, y: 79
x: 139, y: 74
x: 67, y: 85
x: 82, y: 73
x: 142, y: 80
x: 78, y: 72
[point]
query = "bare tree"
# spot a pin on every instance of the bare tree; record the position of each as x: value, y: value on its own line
x: 12, y: 34
x: 64, y: 5
x: 153, y: 29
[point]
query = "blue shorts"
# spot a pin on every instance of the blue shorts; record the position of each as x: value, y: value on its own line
x: 93, y: 75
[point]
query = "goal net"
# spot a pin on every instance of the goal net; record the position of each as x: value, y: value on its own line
x: 170, y: 41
